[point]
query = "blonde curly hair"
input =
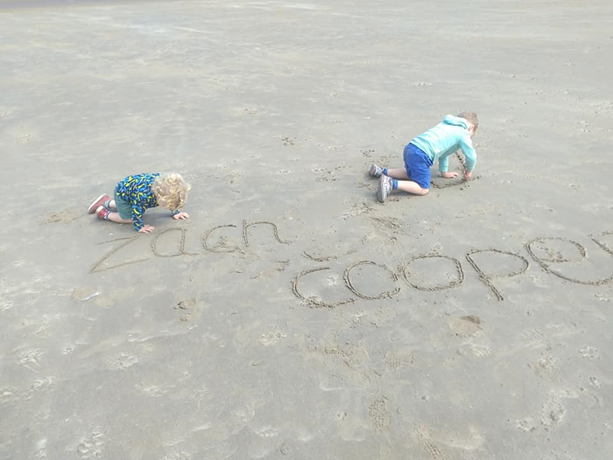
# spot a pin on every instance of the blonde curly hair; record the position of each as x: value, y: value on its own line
x: 171, y: 190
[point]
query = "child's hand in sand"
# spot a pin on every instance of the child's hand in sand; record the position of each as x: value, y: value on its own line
x: 146, y: 229
x: 181, y: 215
x: 468, y: 175
x: 449, y: 175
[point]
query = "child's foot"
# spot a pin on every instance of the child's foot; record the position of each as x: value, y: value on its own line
x: 102, y: 213
x: 385, y: 188
x: 97, y: 203
x: 375, y: 171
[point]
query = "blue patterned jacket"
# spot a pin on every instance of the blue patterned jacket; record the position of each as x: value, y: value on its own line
x: 136, y: 191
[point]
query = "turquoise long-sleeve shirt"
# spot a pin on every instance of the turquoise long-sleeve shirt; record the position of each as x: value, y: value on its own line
x: 446, y: 138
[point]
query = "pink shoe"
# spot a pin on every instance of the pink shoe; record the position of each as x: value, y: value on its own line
x: 97, y: 203
x: 102, y: 213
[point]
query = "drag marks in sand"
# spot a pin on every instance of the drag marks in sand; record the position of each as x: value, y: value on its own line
x: 97, y: 267
x: 431, y: 271
x: 423, y: 284
x: 487, y: 279
x: 489, y: 264
x: 223, y: 244
x: 364, y: 265
x: 554, y: 255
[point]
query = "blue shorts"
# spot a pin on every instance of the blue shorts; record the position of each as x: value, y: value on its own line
x: 417, y: 164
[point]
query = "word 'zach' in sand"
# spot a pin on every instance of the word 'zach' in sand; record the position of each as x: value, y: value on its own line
x: 437, y: 143
x: 135, y: 194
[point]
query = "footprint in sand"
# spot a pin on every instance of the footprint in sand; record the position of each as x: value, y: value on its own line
x: 545, y: 368
x: 184, y: 305
x: 466, y: 326
x: 379, y: 414
x: 595, y: 382
x: 91, y: 447
x: 121, y: 361
x: 423, y: 436
x: 552, y: 412
x: 30, y: 359
x: 590, y: 353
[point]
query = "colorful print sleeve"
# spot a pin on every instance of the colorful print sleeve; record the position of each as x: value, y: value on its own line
x: 137, y: 216
x: 136, y: 190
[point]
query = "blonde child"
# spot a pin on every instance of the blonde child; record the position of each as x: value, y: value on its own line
x: 135, y: 194
x: 423, y: 151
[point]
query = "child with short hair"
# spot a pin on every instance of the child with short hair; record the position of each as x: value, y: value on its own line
x: 135, y: 194
x: 437, y: 143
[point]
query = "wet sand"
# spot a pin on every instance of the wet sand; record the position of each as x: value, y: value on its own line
x: 293, y: 316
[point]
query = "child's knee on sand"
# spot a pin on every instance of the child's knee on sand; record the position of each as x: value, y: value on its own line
x: 424, y: 192
x: 116, y: 217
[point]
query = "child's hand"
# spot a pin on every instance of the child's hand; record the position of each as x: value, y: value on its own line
x: 449, y: 175
x: 181, y: 215
x: 146, y: 229
x: 468, y: 175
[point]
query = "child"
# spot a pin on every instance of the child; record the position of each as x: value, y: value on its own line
x: 135, y: 194
x: 437, y: 143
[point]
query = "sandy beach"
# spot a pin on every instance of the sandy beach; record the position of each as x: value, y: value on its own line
x: 293, y: 316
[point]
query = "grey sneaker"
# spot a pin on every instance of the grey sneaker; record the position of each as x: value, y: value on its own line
x: 375, y: 171
x: 385, y: 188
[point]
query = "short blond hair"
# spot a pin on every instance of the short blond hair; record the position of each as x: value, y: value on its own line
x: 172, y: 190
x: 472, y: 117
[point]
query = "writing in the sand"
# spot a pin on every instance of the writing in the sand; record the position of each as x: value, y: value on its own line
x: 221, y: 245
x: 550, y: 253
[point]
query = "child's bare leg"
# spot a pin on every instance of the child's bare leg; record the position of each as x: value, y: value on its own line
x: 112, y: 205
x: 398, y: 174
x: 115, y: 217
x: 411, y: 187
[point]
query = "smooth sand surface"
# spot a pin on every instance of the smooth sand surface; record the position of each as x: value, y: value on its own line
x: 293, y: 316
